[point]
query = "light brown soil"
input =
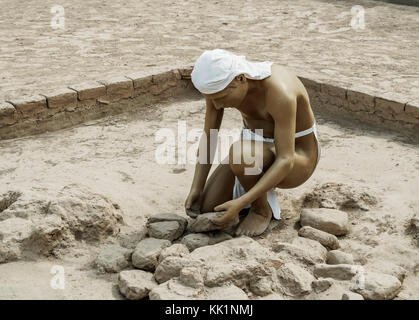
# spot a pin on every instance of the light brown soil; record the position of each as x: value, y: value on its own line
x: 113, y: 38
x: 115, y: 156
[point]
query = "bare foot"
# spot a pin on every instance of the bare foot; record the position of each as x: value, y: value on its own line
x: 256, y: 221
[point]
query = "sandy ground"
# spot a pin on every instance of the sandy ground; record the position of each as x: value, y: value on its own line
x: 115, y: 156
x: 113, y: 38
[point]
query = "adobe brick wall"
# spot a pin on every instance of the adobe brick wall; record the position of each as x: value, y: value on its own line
x: 87, y: 101
x: 91, y: 100
x: 401, y: 116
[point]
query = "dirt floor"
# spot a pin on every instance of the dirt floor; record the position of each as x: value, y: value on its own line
x: 115, y: 156
x: 113, y: 38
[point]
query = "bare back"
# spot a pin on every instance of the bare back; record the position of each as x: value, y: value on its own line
x: 254, y: 110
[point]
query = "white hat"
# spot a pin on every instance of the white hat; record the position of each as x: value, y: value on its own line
x: 215, y: 69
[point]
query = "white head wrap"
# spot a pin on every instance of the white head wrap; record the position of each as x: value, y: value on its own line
x: 215, y: 69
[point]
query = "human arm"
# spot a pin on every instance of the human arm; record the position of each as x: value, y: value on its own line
x: 213, y: 119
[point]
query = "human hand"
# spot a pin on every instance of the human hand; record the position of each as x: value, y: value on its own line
x: 193, y: 204
x: 232, y: 207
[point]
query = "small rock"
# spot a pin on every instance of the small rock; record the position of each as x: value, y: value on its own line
x: 231, y: 231
x: 388, y: 267
x: 328, y: 220
x: 226, y: 292
x: 352, y: 296
x: 238, y: 249
x: 136, y: 284
x: 336, y: 271
x: 321, y: 285
x: 326, y: 239
x: 175, y: 250
x: 168, y: 217
x: 205, y: 222
x: 47, y: 235
x: 147, y: 252
x: 261, y: 286
x: 169, y: 230
x: 378, y: 286
x: 334, y: 292
x: 113, y: 258
x: 132, y: 238
x: 14, y: 232
x: 294, y: 280
x: 311, y: 245
x: 195, y: 240
x: 240, y: 274
x: 191, y: 277
x: 175, y: 290
x: 272, y: 296
x: 218, y: 237
x: 339, y: 257
x: 287, y: 251
x: 171, y: 266
x: 237, y: 261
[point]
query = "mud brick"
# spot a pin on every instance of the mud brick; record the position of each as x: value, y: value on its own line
x: 118, y: 88
x: 62, y: 99
x: 185, y: 73
x: 412, y: 108
x: 164, y: 81
x: 410, y: 114
x: 333, y: 95
x: 388, y: 109
x: 34, y: 106
x: 360, y: 101
x: 142, y: 82
x: 8, y: 114
x: 90, y: 90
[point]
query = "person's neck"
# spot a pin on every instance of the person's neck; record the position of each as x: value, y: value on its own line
x: 255, y: 86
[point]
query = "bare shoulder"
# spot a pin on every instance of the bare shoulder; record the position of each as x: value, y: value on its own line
x: 284, y: 82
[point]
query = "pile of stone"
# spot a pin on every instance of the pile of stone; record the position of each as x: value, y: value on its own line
x: 181, y: 260
x: 324, y: 225
x: 34, y: 223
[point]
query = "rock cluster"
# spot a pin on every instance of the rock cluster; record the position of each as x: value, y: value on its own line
x: 324, y: 225
x: 164, y: 257
x: 192, y: 259
x: 339, y: 196
x: 34, y: 224
x: 309, y: 267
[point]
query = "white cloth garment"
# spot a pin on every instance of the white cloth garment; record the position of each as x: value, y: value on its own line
x: 238, y: 189
x: 215, y: 69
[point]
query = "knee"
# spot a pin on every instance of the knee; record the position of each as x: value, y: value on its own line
x: 245, y: 154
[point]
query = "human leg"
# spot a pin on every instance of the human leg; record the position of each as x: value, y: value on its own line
x: 260, y: 213
x: 218, y: 189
